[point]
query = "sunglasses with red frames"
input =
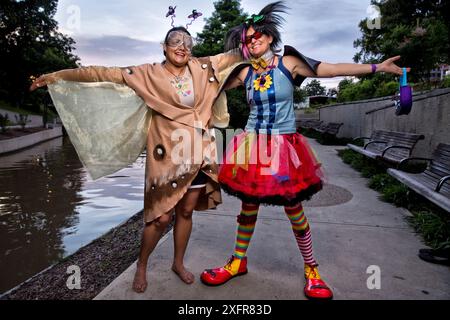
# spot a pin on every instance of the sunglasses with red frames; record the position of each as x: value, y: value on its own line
x: 257, y: 35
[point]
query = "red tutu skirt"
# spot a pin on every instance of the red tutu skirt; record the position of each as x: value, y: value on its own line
x: 270, y: 169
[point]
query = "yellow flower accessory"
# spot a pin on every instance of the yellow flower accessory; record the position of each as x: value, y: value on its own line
x: 263, y: 83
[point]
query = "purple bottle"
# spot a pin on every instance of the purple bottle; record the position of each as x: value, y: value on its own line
x: 404, y: 105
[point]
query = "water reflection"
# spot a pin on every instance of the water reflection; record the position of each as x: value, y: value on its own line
x: 49, y: 208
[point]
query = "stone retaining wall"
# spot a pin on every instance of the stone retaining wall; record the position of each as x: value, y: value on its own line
x: 430, y: 116
x: 15, y: 144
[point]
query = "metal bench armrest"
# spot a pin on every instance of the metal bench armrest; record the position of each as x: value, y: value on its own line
x: 395, y: 147
x: 441, y: 183
x: 403, y: 161
x: 355, y: 140
x: 360, y: 138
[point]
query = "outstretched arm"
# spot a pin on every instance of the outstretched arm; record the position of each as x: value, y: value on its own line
x: 330, y: 70
x: 84, y: 74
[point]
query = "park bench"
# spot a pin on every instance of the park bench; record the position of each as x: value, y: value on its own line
x: 311, y: 124
x: 389, y: 146
x: 320, y: 128
x: 331, y: 129
x: 434, y: 182
x: 300, y: 123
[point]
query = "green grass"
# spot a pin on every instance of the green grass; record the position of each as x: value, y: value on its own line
x: 434, y: 227
x: 397, y: 194
x: 427, y: 219
x: 381, y: 181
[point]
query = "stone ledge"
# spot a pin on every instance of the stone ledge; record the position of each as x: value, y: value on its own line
x: 15, y: 144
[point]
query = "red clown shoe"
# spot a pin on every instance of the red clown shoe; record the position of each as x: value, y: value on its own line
x: 315, y: 287
x: 234, y: 267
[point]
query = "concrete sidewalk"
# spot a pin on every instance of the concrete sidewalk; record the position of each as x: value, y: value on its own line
x: 351, y: 228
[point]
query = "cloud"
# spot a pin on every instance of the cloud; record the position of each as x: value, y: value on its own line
x: 138, y: 19
x: 317, y: 25
x: 128, y: 32
x: 117, y: 51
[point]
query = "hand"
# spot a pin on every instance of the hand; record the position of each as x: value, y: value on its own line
x: 43, y: 81
x: 390, y: 67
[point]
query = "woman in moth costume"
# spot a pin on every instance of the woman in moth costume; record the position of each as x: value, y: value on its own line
x: 169, y: 108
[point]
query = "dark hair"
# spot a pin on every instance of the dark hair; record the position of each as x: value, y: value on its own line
x: 182, y: 29
x: 268, y: 21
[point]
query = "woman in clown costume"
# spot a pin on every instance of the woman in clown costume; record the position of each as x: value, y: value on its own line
x: 270, y: 163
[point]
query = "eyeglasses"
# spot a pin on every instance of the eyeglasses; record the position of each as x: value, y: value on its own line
x: 177, y: 39
x: 257, y: 35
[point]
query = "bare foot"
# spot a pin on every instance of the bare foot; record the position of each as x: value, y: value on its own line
x: 184, y: 275
x: 140, y: 278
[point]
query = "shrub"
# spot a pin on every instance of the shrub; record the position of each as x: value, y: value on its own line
x: 397, y: 194
x: 434, y: 228
x: 4, y: 122
x: 387, y: 89
x: 446, y: 82
x: 346, y: 155
x: 22, y: 120
x: 380, y: 181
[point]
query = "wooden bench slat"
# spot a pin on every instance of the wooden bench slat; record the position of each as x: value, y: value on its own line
x: 433, y: 174
x: 444, y: 147
x: 402, y: 144
x: 433, y: 181
x: 441, y: 171
x: 444, y: 190
x: 442, y: 153
x: 417, y: 183
x: 429, y: 183
x: 400, y: 141
x: 395, y: 157
x: 441, y: 159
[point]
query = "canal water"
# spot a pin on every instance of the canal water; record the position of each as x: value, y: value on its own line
x: 49, y: 208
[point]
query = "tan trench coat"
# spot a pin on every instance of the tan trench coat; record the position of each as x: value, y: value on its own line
x: 167, y: 179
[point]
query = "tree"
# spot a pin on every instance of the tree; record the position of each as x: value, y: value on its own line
x: 227, y: 14
x: 344, y: 83
x: 314, y: 88
x: 418, y: 30
x: 366, y: 88
x: 211, y: 41
x: 332, y: 92
x: 300, y: 95
x: 30, y: 45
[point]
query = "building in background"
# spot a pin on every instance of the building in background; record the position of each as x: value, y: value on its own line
x: 439, y: 73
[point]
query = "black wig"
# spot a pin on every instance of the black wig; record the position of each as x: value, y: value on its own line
x: 268, y: 22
